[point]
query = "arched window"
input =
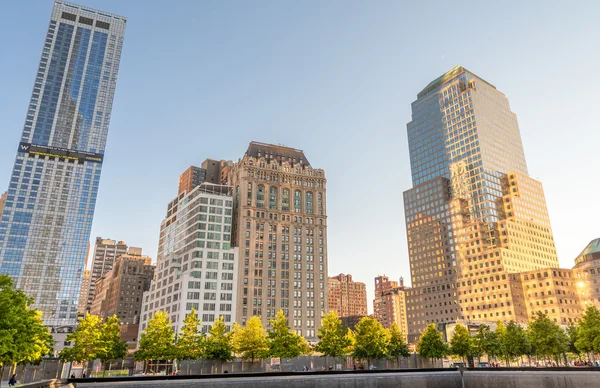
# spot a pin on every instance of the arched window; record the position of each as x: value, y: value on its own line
x: 260, y: 196
x: 309, y: 202
x: 297, y: 201
x: 273, y: 198
x: 285, y: 200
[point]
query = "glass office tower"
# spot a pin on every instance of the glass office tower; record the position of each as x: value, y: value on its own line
x: 474, y: 217
x: 46, y: 222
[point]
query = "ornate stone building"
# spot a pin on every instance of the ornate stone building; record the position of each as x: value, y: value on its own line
x: 280, y: 227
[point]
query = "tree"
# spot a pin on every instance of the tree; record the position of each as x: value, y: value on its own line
x: 514, y: 342
x: 110, y: 346
x: 486, y: 342
x: 461, y: 343
x: 397, y: 347
x: 218, y: 345
x: 572, y: 332
x: 251, y: 341
x: 334, y: 340
x: 588, y: 333
x: 283, y: 342
x: 430, y: 344
x: 545, y: 336
x: 156, y: 342
x: 190, y: 342
x: 33, y: 341
x: 85, y: 340
x: 23, y: 338
x: 371, y: 340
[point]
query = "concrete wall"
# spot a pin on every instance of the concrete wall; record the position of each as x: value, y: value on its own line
x: 441, y: 379
x: 532, y: 379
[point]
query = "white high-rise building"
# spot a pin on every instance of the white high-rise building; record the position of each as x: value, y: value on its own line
x: 196, y: 266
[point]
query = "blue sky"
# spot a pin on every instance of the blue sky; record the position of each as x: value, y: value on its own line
x: 202, y: 79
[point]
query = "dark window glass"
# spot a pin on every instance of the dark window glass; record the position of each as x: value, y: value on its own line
x: 85, y: 20
x: 69, y: 16
x: 104, y: 25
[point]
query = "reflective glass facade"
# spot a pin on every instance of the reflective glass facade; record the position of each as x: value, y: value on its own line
x: 46, y: 222
x: 474, y: 217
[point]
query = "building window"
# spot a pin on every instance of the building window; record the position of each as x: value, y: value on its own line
x: 273, y: 198
x: 297, y: 201
x: 309, y: 202
x: 285, y: 200
x: 260, y: 196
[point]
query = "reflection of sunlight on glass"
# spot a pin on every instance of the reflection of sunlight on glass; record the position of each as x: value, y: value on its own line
x: 580, y: 284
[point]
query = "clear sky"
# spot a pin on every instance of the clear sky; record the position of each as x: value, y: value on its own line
x: 201, y: 79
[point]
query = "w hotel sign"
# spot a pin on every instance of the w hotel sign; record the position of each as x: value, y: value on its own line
x: 60, y: 153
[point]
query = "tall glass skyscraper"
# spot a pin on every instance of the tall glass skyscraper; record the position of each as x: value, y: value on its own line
x: 474, y: 217
x: 46, y: 222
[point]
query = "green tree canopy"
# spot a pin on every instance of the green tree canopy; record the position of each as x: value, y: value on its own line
x: 588, y: 333
x: 461, y: 343
x: 430, y: 344
x: 333, y: 337
x: 156, y: 342
x: 572, y: 332
x: 545, y: 336
x: 251, y: 341
x: 514, y: 341
x: 371, y: 340
x: 85, y: 340
x: 190, y: 342
x: 486, y: 342
x: 283, y: 342
x: 23, y: 337
x: 218, y: 345
x: 397, y: 346
x: 110, y: 346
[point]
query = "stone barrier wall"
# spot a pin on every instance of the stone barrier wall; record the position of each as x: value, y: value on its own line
x: 539, y: 378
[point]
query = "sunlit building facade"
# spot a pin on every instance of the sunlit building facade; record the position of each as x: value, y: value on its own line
x: 587, y: 273
x: 46, y: 222
x: 474, y: 217
x: 348, y: 299
x: 552, y: 291
x: 389, y: 305
x: 281, y: 231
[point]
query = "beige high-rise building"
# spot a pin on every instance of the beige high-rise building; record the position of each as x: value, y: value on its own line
x: 348, y: 299
x: 105, y: 253
x: 389, y: 305
x: 474, y: 217
x: 119, y: 291
x: 82, y: 304
x: 280, y: 227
